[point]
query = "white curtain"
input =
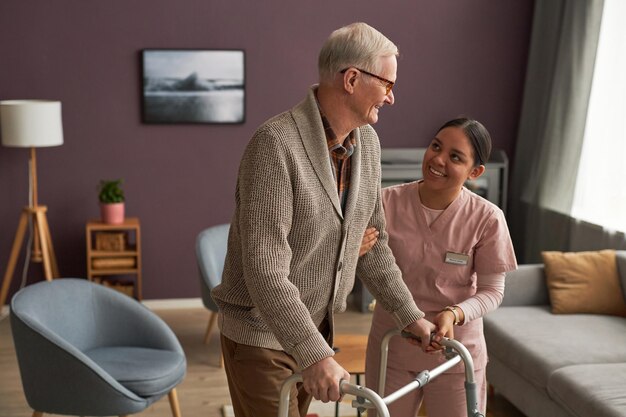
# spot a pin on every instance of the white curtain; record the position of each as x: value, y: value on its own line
x: 550, y: 137
x: 600, y: 196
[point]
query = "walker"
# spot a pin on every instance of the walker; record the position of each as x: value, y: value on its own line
x: 366, y: 398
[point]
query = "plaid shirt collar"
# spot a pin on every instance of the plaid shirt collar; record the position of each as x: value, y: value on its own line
x: 339, y: 154
x: 335, y: 146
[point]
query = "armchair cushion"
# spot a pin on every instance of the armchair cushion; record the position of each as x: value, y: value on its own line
x: 146, y: 372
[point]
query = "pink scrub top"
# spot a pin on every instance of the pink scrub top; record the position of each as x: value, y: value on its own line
x: 470, y: 226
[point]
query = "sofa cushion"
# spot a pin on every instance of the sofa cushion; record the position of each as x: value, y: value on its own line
x: 584, y: 282
x: 534, y: 342
x: 590, y: 390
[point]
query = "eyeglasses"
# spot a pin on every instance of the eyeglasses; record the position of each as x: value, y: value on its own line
x: 388, y: 84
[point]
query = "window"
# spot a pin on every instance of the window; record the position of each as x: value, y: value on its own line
x: 600, y: 195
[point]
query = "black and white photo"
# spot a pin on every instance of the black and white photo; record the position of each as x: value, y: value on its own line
x: 193, y: 86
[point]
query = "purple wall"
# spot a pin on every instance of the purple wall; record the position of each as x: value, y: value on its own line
x: 457, y: 57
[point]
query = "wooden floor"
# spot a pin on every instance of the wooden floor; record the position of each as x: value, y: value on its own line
x: 204, y: 390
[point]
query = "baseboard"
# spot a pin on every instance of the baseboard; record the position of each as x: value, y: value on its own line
x: 173, y: 304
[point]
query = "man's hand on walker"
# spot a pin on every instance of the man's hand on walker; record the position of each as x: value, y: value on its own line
x: 421, y: 328
x: 322, y: 379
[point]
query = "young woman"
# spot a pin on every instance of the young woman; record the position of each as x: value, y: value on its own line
x: 454, y: 249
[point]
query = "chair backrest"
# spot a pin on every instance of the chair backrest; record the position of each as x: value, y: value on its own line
x: 65, y: 308
x: 211, y: 245
x: 87, y: 315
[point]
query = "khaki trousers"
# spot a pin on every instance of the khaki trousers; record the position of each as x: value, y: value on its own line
x: 255, y: 376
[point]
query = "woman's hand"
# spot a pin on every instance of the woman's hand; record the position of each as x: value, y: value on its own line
x: 370, y: 237
x: 445, y: 325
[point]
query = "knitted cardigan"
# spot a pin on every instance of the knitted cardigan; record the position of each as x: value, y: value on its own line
x: 292, y: 254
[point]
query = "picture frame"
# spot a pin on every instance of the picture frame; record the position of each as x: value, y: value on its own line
x: 193, y: 86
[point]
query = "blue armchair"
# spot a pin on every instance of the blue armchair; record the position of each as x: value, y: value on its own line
x: 84, y: 349
x: 211, y: 245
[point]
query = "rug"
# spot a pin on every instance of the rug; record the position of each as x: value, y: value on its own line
x: 317, y: 409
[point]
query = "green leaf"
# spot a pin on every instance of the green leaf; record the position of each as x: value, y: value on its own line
x: 110, y: 191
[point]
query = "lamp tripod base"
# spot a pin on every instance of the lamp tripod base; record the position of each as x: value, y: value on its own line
x: 42, y: 252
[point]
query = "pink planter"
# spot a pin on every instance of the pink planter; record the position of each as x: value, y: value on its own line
x: 112, y: 213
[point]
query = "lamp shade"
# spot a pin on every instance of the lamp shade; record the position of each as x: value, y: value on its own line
x: 31, y: 123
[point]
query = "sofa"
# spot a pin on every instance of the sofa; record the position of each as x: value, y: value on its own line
x: 556, y: 365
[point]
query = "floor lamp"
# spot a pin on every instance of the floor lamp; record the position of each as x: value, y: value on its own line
x: 31, y: 124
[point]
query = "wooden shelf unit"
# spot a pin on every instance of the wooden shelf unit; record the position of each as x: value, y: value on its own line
x: 132, y: 230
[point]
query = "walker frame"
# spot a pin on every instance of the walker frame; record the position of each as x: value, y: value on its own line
x: 366, y: 398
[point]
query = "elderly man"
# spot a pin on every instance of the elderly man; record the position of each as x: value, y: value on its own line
x: 308, y: 187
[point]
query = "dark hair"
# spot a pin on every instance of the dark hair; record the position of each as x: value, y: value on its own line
x: 478, y: 135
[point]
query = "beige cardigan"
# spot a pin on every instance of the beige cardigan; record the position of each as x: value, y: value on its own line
x: 292, y: 254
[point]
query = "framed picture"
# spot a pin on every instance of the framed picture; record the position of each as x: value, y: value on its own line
x: 193, y: 86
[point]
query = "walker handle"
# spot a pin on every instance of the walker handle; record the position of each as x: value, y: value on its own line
x: 345, y: 387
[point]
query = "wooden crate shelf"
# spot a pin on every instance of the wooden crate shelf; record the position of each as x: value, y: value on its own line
x: 131, y: 249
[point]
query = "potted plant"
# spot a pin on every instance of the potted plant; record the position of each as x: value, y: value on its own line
x: 111, y: 198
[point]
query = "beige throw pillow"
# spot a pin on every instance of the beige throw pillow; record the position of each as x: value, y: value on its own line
x: 584, y: 282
